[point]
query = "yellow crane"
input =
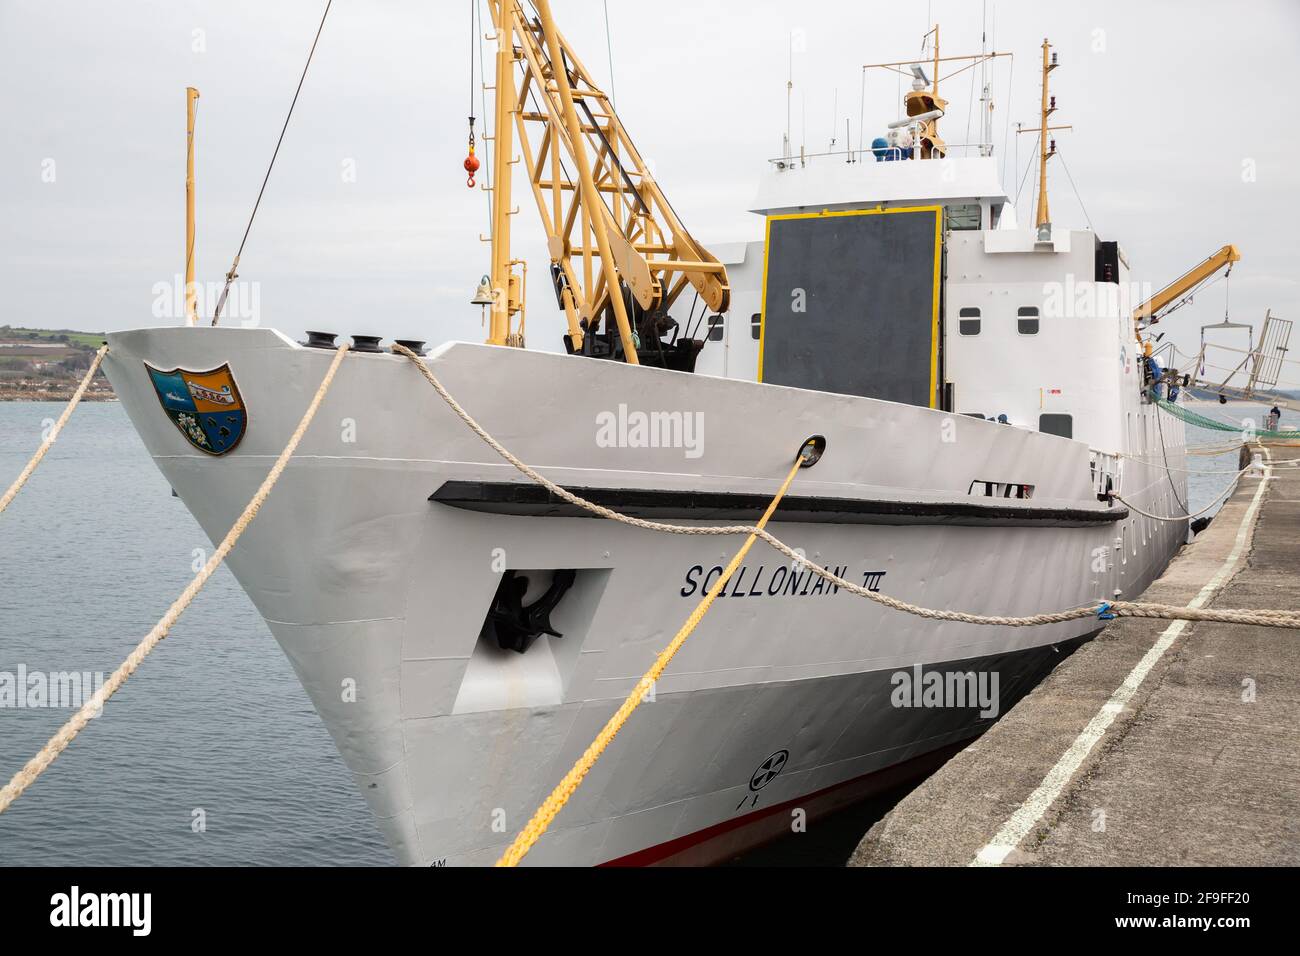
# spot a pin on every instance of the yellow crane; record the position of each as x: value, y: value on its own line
x: 618, y: 250
x: 1155, y: 308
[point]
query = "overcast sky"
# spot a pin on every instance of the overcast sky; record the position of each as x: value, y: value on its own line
x: 1184, y: 138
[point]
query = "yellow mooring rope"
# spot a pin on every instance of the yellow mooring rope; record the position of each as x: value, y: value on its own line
x: 25, y: 777
x: 553, y: 804
x: 54, y: 432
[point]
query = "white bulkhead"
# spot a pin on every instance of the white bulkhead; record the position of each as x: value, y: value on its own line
x: 1030, y: 328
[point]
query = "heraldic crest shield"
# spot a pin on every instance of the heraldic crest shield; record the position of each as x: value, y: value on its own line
x: 205, y: 406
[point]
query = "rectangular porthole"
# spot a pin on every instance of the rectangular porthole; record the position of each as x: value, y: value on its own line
x: 964, y: 216
x: 1027, y: 320
x: 1062, y: 425
x: 715, y: 328
x: 1000, y: 489
x: 968, y: 322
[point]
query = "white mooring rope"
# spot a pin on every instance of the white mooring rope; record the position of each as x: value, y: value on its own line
x: 25, y: 777
x: 54, y: 432
x: 1103, y: 610
x: 1179, y: 518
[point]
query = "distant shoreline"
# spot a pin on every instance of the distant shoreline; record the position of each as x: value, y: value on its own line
x: 53, y: 395
x: 47, y: 365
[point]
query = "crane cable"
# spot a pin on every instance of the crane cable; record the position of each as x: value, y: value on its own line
x: 482, y: 92
x: 471, y: 161
x: 609, y: 50
x: 232, y: 275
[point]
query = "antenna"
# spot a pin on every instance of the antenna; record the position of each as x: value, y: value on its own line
x: 835, y: 116
x: 923, y: 97
x: 803, y: 125
x: 986, y: 102
x: 789, y: 94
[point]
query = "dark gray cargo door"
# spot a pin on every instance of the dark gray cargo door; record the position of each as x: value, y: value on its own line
x: 851, y: 303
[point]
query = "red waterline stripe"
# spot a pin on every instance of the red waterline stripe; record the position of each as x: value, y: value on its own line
x: 662, y: 851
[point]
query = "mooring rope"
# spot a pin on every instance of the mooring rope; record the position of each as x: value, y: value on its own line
x: 1179, y: 518
x: 1104, y: 610
x: 553, y: 804
x: 25, y: 777
x: 1292, y: 463
x: 232, y: 275
x: 54, y: 432
x: 1212, y: 451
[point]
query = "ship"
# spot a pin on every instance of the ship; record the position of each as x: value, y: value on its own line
x: 985, y: 395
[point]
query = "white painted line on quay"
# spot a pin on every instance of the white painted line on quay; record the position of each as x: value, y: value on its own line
x: 1018, y: 825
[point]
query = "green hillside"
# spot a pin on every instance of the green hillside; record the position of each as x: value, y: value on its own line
x: 91, y: 340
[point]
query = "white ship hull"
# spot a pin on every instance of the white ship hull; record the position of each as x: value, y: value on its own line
x: 378, y: 594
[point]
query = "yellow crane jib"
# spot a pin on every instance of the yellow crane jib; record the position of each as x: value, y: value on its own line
x: 1154, y: 308
x: 620, y: 255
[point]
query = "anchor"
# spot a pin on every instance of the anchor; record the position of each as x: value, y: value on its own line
x: 517, y: 626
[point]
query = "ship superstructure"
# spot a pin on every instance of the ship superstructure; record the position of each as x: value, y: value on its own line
x: 982, y: 392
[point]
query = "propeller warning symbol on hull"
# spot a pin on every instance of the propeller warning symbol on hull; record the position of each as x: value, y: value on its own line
x: 767, y: 772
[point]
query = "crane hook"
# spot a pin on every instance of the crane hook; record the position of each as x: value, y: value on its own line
x: 471, y: 161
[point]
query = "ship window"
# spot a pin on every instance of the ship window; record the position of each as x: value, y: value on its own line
x: 1027, y: 320
x: 968, y: 322
x: 1062, y: 425
x: 715, y: 328
x: 999, y: 489
x: 756, y: 325
x: 964, y: 216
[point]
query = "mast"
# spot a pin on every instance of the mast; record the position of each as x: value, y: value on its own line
x: 191, y: 304
x: 1044, y: 219
x: 925, y: 104
x: 1046, y: 146
x: 503, y: 306
x: 924, y: 97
